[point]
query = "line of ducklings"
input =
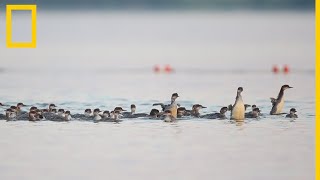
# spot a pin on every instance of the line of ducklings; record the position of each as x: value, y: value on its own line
x: 168, y: 113
x: 53, y: 114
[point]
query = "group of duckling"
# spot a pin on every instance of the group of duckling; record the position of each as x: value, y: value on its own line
x: 168, y: 113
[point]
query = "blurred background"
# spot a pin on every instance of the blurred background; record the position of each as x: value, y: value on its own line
x: 115, y: 48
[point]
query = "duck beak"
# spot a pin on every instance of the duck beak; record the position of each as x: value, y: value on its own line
x: 290, y: 87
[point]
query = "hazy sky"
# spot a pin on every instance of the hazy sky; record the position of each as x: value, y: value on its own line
x: 207, y: 40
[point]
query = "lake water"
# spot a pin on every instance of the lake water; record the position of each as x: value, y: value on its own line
x: 106, y: 59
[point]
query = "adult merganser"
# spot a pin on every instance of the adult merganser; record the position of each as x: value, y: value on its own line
x: 277, y: 104
x: 168, y: 117
x: 238, y: 109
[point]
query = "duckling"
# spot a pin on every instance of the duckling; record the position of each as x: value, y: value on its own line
x: 51, y: 107
x: 32, y: 116
x: 292, y: 113
x: 86, y: 116
x: 67, y: 116
x: 181, y: 112
x: 61, y: 113
x: 154, y: 114
x: 19, y: 108
x: 87, y: 113
x: 253, y: 114
x: 133, y: 113
x: 116, y: 115
x: 113, y: 117
x: 32, y: 108
x: 96, y: 115
x: 221, y: 115
x: 106, y: 115
x: 195, y: 112
x: 10, y: 114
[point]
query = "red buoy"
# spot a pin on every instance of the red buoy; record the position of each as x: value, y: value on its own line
x: 286, y: 69
x: 168, y: 68
x: 275, y: 69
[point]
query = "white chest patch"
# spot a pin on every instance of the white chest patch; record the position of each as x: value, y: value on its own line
x: 173, y: 109
x: 238, y: 111
x: 97, y: 118
x: 280, y: 106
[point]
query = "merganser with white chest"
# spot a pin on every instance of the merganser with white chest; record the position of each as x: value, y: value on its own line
x: 238, y: 109
x: 277, y: 104
x: 173, y: 107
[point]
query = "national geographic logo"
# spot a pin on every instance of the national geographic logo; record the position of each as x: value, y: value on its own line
x: 33, y: 9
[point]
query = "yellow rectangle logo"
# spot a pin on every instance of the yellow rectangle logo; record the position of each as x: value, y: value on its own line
x: 33, y: 9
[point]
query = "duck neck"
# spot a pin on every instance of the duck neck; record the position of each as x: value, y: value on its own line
x: 239, y: 97
x: 280, y: 95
